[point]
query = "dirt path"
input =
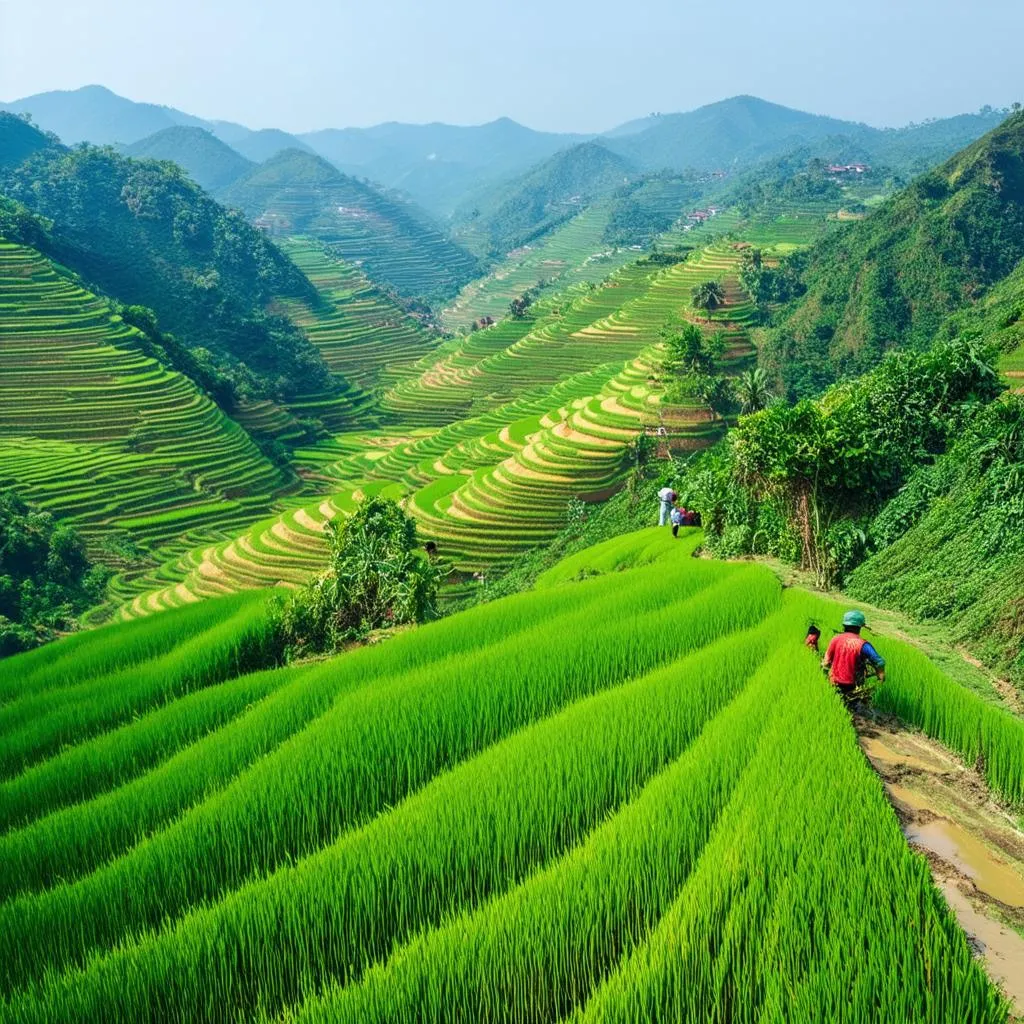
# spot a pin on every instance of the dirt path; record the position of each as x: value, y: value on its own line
x: 974, y: 847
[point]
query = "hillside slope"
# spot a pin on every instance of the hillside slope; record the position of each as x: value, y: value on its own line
x: 437, y: 164
x: 889, y: 281
x: 738, y: 132
x: 297, y: 193
x: 94, y: 428
x: 19, y: 139
x: 361, y: 332
x: 259, y: 145
x: 549, y: 801
x: 97, y: 115
x: 142, y: 232
x: 545, y: 197
x: 209, y: 162
x: 950, y: 546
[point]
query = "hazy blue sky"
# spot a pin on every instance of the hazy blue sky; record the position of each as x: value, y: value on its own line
x: 579, y: 65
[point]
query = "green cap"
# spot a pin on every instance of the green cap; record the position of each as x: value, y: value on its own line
x: 854, y: 618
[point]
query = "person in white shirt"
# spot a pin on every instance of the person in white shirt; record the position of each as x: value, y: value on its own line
x: 666, y: 496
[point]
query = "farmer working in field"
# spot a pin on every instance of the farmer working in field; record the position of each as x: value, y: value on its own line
x: 849, y: 654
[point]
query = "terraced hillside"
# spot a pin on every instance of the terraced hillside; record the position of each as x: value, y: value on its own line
x: 643, y: 210
x: 627, y: 798
x: 95, y: 430
x: 495, y: 432
x: 299, y: 193
x: 574, y: 252
x: 361, y: 333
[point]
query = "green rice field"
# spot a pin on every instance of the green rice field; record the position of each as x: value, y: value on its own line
x: 493, y: 433
x: 625, y: 795
x: 574, y: 252
x: 485, y: 436
x: 100, y: 433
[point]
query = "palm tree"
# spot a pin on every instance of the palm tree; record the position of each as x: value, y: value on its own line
x: 753, y: 390
x: 708, y: 296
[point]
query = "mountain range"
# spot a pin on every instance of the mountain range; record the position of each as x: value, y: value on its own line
x: 438, y: 164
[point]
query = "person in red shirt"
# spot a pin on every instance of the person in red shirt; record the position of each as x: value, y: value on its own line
x: 812, y: 638
x: 848, y: 656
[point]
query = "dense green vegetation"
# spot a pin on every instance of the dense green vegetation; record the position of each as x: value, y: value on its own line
x: 46, y: 578
x: 210, y: 163
x: 643, y: 209
x: 205, y: 271
x: 436, y: 820
x: 911, y: 467
x: 891, y: 280
x: 19, y: 139
x: 950, y: 545
x: 375, y: 579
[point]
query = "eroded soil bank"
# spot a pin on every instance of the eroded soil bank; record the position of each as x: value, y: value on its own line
x: 975, y: 848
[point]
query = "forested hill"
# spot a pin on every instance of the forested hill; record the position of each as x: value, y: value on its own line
x: 142, y: 232
x: 296, y: 192
x: 212, y: 164
x: 97, y: 115
x: 19, y: 140
x: 536, y: 202
x: 438, y: 164
x: 890, y: 280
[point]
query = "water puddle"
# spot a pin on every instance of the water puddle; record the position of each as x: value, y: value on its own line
x: 970, y: 857
x: 974, y: 850
x: 1000, y: 947
x: 880, y: 751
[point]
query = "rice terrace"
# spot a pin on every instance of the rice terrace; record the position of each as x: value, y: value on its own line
x: 456, y: 571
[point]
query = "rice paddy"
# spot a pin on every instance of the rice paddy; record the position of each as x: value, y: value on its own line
x: 485, y: 436
x: 491, y: 434
x: 574, y: 252
x: 100, y: 433
x: 625, y: 797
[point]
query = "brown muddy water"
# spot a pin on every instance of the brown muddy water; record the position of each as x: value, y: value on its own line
x: 974, y: 848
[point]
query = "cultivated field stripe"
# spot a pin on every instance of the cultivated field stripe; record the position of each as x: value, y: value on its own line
x: 73, y: 841
x: 539, y: 949
x: 449, y: 846
x: 373, y: 748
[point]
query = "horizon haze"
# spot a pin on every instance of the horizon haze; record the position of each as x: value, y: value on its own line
x: 555, y: 66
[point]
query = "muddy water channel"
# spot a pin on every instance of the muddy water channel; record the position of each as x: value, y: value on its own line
x: 974, y: 848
